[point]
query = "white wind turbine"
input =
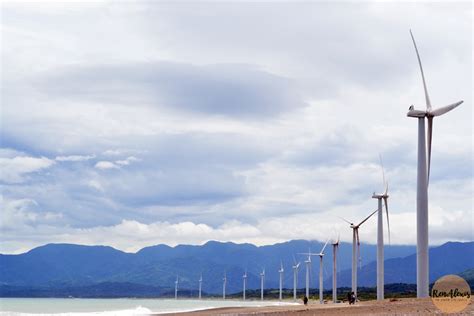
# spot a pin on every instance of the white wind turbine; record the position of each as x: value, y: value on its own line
x: 356, y: 250
x: 176, y: 288
x: 200, y: 286
x: 281, y: 271
x: 423, y: 174
x: 321, y: 255
x: 335, y: 247
x: 308, y: 268
x: 262, y: 280
x: 295, y: 277
x: 380, y: 244
x: 224, y: 283
x: 244, y: 277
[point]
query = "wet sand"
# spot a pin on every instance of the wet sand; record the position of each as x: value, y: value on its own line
x: 407, y: 306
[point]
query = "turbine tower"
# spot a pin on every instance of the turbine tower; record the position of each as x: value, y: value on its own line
x: 281, y: 279
x: 244, y: 277
x: 308, y: 268
x: 176, y: 288
x: 423, y: 174
x: 224, y: 283
x: 380, y: 244
x: 321, y: 255
x: 356, y: 250
x: 262, y: 280
x: 295, y: 277
x: 200, y: 286
x: 335, y: 247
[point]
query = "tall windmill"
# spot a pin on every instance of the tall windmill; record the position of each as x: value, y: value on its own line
x: 200, y: 286
x: 176, y: 288
x: 295, y: 277
x: 380, y: 245
x: 423, y: 174
x: 356, y: 249
x: 308, y: 268
x: 281, y: 271
x: 224, y: 283
x: 335, y: 247
x: 244, y: 278
x: 321, y: 255
x: 262, y: 281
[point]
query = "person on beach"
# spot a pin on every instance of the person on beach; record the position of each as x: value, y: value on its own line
x: 353, y: 298
x: 349, y: 297
x: 305, y: 300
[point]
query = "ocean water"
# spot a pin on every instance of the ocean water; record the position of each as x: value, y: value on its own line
x: 119, y: 306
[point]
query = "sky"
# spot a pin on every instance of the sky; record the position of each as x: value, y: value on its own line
x: 133, y: 124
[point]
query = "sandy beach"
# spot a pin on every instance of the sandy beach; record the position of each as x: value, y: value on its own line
x: 409, y: 306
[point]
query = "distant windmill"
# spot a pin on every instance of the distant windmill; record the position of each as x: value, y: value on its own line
x: 262, y: 281
x: 176, y: 288
x: 200, y: 286
x: 380, y: 244
x: 281, y: 271
x: 295, y: 277
x: 224, y: 285
x: 321, y: 255
x: 244, y: 277
x: 335, y: 247
x: 423, y: 175
x: 308, y: 268
x: 356, y: 249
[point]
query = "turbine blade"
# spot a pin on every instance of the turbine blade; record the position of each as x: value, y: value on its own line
x: 367, y: 218
x: 445, y: 109
x: 388, y: 221
x: 358, y: 247
x: 345, y: 220
x: 322, y: 251
x: 383, y: 171
x: 430, y: 137
x: 428, y: 102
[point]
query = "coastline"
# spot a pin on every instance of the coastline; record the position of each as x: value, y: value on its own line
x: 405, y: 306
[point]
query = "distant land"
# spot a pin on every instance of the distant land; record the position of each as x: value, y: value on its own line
x: 100, y: 271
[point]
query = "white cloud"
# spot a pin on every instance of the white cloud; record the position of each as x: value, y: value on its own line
x: 75, y: 158
x: 127, y: 161
x: 103, y: 165
x: 13, y: 170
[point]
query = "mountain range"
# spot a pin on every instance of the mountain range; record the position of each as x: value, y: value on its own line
x: 75, y: 269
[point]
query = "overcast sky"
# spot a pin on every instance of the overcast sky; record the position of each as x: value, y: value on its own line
x: 133, y: 124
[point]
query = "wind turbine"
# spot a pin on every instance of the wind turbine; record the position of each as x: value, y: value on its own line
x: 200, y: 286
x: 244, y: 277
x: 380, y: 256
x: 321, y: 254
x: 223, y: 285
x: 423, y: 174
x: 356, y: 249
x: 176, y: 288
x: 281, y: 279
x: 308, y: 267
x: 295, y: 277
x: 262, y: 280
x: 335, y: 247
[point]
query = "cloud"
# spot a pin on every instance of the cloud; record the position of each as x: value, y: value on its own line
x: 127, y: 161
x: 221, y: 89
x: 251, y: 126
x: 75, y: 158
x: 103, y: 165
x: 15, y: 169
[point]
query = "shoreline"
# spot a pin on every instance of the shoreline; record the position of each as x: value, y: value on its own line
x: 403, y: 306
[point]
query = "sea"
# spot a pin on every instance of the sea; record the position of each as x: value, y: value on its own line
x: 119, y: 306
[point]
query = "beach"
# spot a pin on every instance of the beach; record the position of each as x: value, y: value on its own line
x: 407, y: 306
